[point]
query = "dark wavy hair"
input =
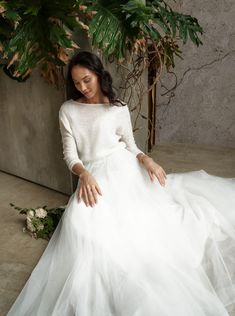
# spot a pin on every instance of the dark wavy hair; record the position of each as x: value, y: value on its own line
x: 92, y: 62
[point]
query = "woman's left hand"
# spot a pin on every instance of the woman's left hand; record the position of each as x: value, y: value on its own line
x: 154, y: 169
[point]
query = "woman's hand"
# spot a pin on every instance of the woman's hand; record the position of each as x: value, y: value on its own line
x: 88, y: 189
x: 154, y: 169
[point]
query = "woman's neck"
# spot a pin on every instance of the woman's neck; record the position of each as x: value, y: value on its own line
x: 101, y: 99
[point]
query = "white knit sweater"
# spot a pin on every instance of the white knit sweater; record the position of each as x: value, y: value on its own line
x: 92, y: 131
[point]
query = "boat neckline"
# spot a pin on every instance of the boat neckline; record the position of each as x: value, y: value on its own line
x: 90, y: 104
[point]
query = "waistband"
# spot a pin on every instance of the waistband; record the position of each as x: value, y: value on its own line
x: 100, y: 158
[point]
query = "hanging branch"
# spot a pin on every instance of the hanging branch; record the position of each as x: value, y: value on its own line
x: 143, y: 35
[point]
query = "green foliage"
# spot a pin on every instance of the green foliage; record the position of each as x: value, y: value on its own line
x: 118, y: 24
x: 173, y: 23
x: 36, y: 34
x: 39, y: 32
x: 41, y: 222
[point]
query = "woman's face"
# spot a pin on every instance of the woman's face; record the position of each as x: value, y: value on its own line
x: 86, y: 81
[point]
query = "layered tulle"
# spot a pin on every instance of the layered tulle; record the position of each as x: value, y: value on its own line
x: 143, y: 250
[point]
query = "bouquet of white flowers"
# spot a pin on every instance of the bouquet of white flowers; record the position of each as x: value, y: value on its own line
x: 41, y: 222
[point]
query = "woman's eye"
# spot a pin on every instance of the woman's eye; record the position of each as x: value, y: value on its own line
x: 85, y: 81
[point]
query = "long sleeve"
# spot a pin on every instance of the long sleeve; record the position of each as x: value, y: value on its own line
x: 126, y: 132
x: 68, y: 141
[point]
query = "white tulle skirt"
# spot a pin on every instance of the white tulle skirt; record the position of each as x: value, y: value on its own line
x: 143, y: 250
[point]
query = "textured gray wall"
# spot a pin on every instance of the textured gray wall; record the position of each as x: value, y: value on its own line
x: 201, y: 109
x: 30, y: 141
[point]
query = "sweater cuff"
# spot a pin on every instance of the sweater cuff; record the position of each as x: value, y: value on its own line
x: 72, y: 163
x: 136, y: 151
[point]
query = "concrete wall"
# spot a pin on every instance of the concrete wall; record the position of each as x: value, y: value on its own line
x: 30, y: 141
x: 201, y: 109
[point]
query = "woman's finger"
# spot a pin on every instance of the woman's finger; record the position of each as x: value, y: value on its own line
x: 151, y: 176
x: 90, y: 196
x: 162, y: 178
x: 165, y: 174
x: 81, y: 193
x: 159, y: 177
x: 94, y: 193
x: 86, y: 196
x: 98, y: 189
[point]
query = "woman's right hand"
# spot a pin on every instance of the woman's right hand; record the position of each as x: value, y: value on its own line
x: 88, y: 189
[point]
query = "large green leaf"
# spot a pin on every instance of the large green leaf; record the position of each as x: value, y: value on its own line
x: 38, y: 30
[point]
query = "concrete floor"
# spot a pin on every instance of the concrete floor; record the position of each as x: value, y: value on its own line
x: 20, y: 252
x: 215, y: 160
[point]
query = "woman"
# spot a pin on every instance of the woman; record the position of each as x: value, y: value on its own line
x: 128, y: 245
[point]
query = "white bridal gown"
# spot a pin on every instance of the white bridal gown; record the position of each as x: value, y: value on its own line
x: 143, y: 249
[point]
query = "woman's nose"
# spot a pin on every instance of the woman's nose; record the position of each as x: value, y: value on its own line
x: 83, y: 87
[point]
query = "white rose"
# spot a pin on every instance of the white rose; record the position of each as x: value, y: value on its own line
x: 40, y: 212
x: 30, y: 225
x: 30, y: 214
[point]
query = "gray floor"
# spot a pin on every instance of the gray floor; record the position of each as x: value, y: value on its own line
x: 219, y: 161
x: 20, y: 253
